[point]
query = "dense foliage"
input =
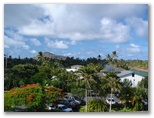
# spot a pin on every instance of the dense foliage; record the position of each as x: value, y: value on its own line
x: 40, y: 81
x: 31, y: 95
x: 95, y: 105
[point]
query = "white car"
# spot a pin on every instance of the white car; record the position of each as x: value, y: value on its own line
x: 64, y: 108
x: 109, y: 100
x: 50, y: 106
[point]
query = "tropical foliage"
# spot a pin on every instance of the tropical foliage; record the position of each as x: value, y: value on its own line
x: 40, y: 81
x: 95, y: 105
x: 31, y: 95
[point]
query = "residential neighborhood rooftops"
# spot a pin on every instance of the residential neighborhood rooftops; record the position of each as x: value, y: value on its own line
x: 109, y: 68
x: 125, y: 73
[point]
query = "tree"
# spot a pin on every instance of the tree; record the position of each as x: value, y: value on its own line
x: 95, y: 105
x: 111, y: 57
x: 112, y: 82
x: 40, y: 57
x: 114, y: 54
x: 88, y: 73
x: 127, y: 91
x: 19, y: 75
x: 30, y: 95
x: 40, y: 78
x: 133, y: 97
x: 33, y: 96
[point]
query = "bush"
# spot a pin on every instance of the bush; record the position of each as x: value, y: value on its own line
x: 95, y: 105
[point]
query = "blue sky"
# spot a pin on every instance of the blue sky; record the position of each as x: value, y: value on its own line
x: 79, y: 30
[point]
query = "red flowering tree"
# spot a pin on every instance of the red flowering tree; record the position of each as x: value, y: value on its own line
x: 32, y: 95
x: 51, y: 94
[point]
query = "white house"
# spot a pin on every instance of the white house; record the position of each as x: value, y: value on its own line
x: 131, y: 76
x: 73, y: 68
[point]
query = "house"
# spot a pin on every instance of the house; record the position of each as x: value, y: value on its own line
x: 73, y: 68
x: 131, y: 76
x: 109, y: 68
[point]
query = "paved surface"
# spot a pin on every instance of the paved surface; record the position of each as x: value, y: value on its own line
x: 103, y: 98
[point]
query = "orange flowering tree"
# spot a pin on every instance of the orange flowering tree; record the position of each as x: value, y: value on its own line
x: 32, y: 95
x: 51, y: 94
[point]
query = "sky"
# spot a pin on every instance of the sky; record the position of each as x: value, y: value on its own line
x: 78, y: 30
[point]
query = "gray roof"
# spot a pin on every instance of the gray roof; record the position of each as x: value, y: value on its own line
x: 125, y: 73
x: 109, y: 68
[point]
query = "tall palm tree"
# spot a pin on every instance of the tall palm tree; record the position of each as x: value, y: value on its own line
x: 112, y: 82
x: 111, y: 57
x: 87, y: 73
x: 114, y: 54
x: 40, y: 57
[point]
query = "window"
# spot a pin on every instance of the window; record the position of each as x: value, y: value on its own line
x: 133, y: 74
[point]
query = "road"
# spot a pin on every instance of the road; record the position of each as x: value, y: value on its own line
x: 117, y: 100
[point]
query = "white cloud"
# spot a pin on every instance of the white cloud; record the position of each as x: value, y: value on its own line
x: 55, y: 44
x: 133, y: 48
x: 6, y: 46
x: 68, y: 54
x: 13, y: 34
x: 33, y: 51
x: 11, y: 42
x: 37, y: 28
x: 76, y: 22
x: 16, y: 15
x: 35, y: 41
x: 139, y: 25
x: 113, y: 31
x: 26, y: 47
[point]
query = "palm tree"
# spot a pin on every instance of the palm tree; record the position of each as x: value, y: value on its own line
x: 40, y: 57
x: 112, y: 57
x: 99, y: 58
x: 87, y: 73
x: 112, y: 82
x: 114, y: 54
x: 109, y: 58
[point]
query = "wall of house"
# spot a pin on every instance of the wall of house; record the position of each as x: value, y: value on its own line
x: 69, y: 70
x: 135, y: 79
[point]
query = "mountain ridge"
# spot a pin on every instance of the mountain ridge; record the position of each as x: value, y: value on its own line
x: 52, y: 56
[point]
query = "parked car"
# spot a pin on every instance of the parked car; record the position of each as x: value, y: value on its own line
x: 64, y: 108
x: 67, y: 102
x: 51, y: 107
x: 109, y: 100
x: 82, y: 102
x: 74, y: 99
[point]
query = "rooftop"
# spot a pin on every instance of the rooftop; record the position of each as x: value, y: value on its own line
x: 124, y: 73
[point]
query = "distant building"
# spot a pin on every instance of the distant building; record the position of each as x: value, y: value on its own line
x: 131, y: 76
x: 73, y: 68
x: 109, y: 68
